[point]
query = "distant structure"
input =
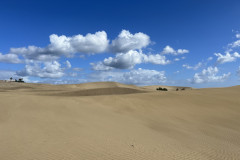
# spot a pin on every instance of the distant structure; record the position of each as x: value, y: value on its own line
x: 11, y: 79
x: 20, y: 80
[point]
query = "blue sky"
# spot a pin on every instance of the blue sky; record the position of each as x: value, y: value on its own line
x: 189, y: 42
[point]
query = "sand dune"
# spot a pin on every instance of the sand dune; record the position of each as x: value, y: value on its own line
x: 99, y: 92
x: 116, y: 121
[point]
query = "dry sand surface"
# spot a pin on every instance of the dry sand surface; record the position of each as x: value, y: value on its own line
x: 112, y: 121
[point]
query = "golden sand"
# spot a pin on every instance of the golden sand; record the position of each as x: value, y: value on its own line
x: 112, y: 121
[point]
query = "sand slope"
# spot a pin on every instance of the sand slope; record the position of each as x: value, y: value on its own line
x: 39, y: 121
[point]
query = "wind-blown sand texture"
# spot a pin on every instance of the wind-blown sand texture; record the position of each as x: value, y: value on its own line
x: 112, y: 121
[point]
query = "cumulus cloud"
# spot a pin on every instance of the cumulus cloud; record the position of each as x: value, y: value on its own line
x: 236, y: 44
x: 9, y: 58
x: 35, y: 53
x: 48, y: 70
x: 129, y: 60
x: 193, y: 67
x: 178, y: 59
x: 100, y: 66
x: 231, y: 52
x: 227, y: 57
x: 66, y: 46
x: 156, y: 59
x: 144, y: 77
x: 209, y: 75
x: 43, y: 61
x: 127, y: 41
x: 91, y: 43
x: 170, y: 50
x: 182, y: 51
x: 137, y: 76
x: 236, y: 55
x: 124, y: 60
x: 88, y: 44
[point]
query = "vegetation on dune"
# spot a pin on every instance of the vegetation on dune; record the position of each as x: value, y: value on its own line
x: 161, y: 89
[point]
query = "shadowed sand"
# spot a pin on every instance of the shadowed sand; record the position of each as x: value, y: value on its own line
x: 112, y: 121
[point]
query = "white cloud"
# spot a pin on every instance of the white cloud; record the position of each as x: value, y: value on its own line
x: 232, y: 46
x: 236, y: 54
x: 137, y: 77
x: 170, y: 50
x: 182, y: 51
x: 49, y: 70
x: 68, y: 64
x: 91, y: 43
x: 77, y: 69
x: 210, y: 58
x: 193, y: 67
x: 227, y: 57
x: 236, y: 44
x: 43, y: 61
x: 73, y: 74
x: 5, y: 74
x: 127, y: 41
x: 124, y: 60
x: 9, y: 58
x: 36, y: 53
x: 238, y: 35
x: 129, y: 60
x: 144, y: 77
x: 230, y: 52
x: 209, y: 75
x: 176, y: 59
x: 99, y: 66
x: 67, y: 46
x: 156, y: 59
x: 125, y: 45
